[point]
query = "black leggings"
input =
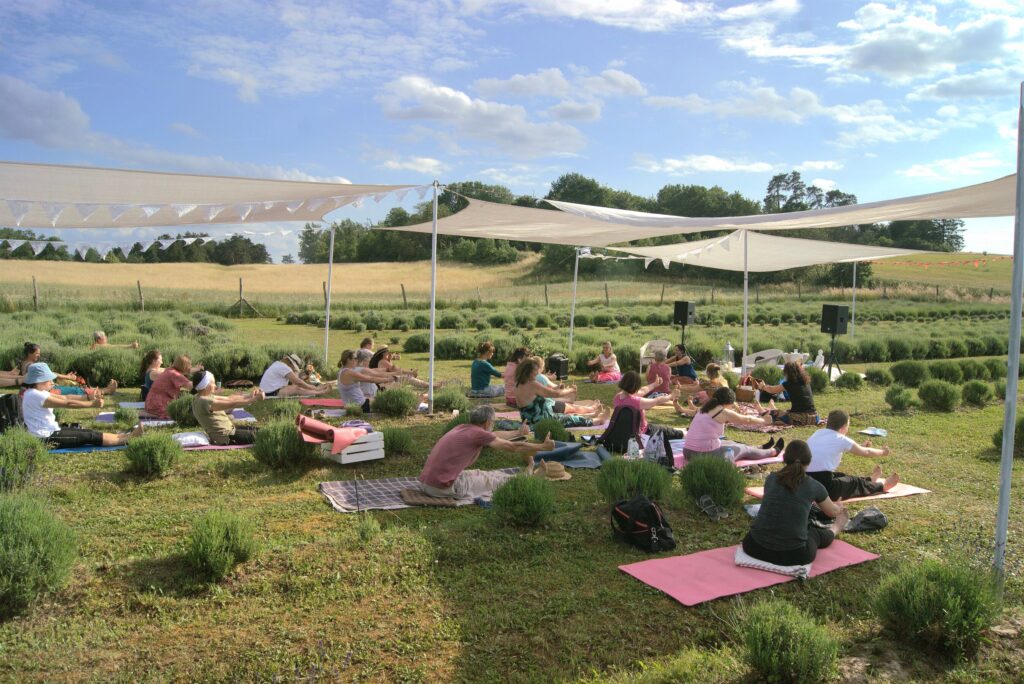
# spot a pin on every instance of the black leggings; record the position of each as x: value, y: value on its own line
x: 244, y: 434
x: 842, y: 486
x: 817, y: 538
x: 69, y: 438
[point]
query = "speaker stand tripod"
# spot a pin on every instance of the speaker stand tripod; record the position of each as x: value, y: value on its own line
x: 832, y: 359
x: 684, y: 336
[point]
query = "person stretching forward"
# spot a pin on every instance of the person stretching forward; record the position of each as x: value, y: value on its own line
x: 827, y: 448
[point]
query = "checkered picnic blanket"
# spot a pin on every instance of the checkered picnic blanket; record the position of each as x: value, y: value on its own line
x: 751, y: 410
x: 351, y: 496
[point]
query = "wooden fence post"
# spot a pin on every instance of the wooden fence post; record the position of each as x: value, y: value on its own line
x: 662, y: 294
x: 991, y: 291
x: 142, y: 299
x: 240, y: 298
x: 35, y: 294
x: 607, y: 302
x: 545, y: 294
x: 712, y: 294
x: 405, y: 302
x: 936, y: 293
x: 799, y: 294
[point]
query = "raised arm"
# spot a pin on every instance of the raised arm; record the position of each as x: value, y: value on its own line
x: 867, y: 450
x: 552, y: 392
x: 294, y: 379
x: 523, y: 447
x: 729, y: 416
x: 61, y: 401
x: 223, y: 403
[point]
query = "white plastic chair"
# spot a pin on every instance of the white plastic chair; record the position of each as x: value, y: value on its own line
x: 772, y: 356
x: 647, y: 352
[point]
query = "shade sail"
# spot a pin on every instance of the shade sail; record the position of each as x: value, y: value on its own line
x: 585, y: 225
x: 764, y: 252
x: 50, y: 196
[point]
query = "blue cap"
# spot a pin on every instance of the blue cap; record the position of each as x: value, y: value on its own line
x: 39, y: 372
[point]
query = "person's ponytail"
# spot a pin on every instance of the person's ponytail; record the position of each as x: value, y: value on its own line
x: 796, y: 458
x: 723, y: 396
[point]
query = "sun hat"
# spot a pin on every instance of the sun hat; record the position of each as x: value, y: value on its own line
x: 294, y: 360
x: 552, y: 471
x: 39, y: 372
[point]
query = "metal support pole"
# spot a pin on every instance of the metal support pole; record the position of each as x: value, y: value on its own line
x: 327, y: 299
x: 433, y: 298
x: 853, y: 314
x: 746, y: 295
x: 1013, y: 364
x: 572, y: 311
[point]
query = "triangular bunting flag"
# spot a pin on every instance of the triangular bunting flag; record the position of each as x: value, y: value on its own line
x: 422, y: 191
x: 379, y: 196
x: 18, y: 209
x: 145, y: 245
x: 648, y: 261
x: 164, y: 244
x: 213, y: 210
x: 54, y: 210
x: 119, y: 210
x: 400, y: 194
x: 287, y: 232
x: 39, y: 245
x: 150, y: 209
x: 189, y: 241
x: 665, y: 263
x: 182, y: 209
x: 86, y: 211
x: 14, y: 244
x: 293, y: 206
x: 243, y: 210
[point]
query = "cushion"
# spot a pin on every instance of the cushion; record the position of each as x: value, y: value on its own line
x: 417, y: 497
x: 191, y: 439
x: 563, y: 451
x: 746, y: 561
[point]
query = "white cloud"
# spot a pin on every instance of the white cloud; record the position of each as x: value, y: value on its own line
x: 758, y: 10
x: 974, y: 164
x: 750, y: 100
x: 947, y: 111
x: 425, y: 165
x: 822, y: 165
x: 983, y: 83
x: 185, y: 129
x: 544, y: 82
x: 613, y: 82
x: 700, y: 163
x: 55, y: 120
x: 507, y: 126
x: 639, y: 15
x: 521, y: 177
x: 570, y: 110
x: 824, y: 183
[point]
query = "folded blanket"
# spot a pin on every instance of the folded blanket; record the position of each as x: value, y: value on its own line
x: 316, y: 432
x: 350, y: 496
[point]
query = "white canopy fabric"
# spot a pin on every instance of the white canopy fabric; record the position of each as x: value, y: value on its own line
x: 49, y: 196
x: 588, y: 226
x: 764, y: 252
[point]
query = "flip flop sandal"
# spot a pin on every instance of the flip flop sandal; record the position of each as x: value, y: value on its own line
x: 709, y: 507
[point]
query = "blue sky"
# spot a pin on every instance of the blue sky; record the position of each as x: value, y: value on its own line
x: 881, y: 99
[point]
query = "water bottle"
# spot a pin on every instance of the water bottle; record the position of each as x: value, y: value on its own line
x: 632, y: 449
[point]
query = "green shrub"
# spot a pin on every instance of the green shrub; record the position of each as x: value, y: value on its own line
x: 899, y: 349
x: 909, y: 373
x: 277, y: 408
x: 551, y: 426
x: 152, y: 455
x: 37, y: 551
x: 450, y: 321
x: 353, y: 410
x: 938, y: 349
x: 996, y: 368
x: 397, y: 441
x: 733, y: 379
x: 938, y: 395
x: 946, y: 370
x: 220, y: 540
x: 460, y: 419
x: 850, y: 381
x: 994, y: 347
x: 524, y: 501
x: 417, y: 343
x: 878, y: 376
x: 368, y: 528
x: 714, y: 476
x: 621, y: 479
x: 20, y: 451
x: 999, y: 387
x: 957, y: 349
x: 500, y: 320
x: 100, y: 366
x: 420, y: 321
x: 768, y: 373
x: 899, y: 398
x: 1018, y: 438
x: 873, y: 350
x: 278, y: 445
x: 454, y: 348
x: 819, y: 380
x: 602, y: 320
x: 126, y: 416
x: 180, y: 411
x: 943, y: 608
x: 395, y: 402
x: 784, y: 644
x: 972, y: 369
x: 976, y: 393
x: 451, y: 399
x: 581, y: 321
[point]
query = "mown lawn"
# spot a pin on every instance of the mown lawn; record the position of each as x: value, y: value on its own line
x: 448, y: 595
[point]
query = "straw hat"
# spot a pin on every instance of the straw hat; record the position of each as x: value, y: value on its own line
x: 552, y: 471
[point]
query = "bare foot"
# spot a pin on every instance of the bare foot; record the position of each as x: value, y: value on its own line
x: 876, y: 474
x: 136, y: 432
x: 891, y: 482
x: 840, y: 521
x: 529, y: 463
x: 110, y: 388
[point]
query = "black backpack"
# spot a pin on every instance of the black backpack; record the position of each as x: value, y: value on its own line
x: 624, y: 423
x: 640, y: 522
x: 9, y: 412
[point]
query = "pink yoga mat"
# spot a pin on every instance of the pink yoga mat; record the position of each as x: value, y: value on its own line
x: 325, y: 401
x: 316, y: 432
x: 899, y: 490
x: 680, y: 459
x: 215, y: 447
x: 708, y: 575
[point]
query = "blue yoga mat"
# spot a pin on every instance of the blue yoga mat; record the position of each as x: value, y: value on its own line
x: 86, y: 449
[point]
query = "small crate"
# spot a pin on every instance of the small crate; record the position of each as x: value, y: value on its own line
x: 745, y: 394
x: 369, y: 447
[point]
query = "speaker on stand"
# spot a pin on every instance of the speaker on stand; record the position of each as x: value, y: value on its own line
x: 834, y: 321
x: 684, y: 316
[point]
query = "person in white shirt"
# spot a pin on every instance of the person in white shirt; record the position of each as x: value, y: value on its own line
x: 827, y: 448
x: 281, y: 379
x: 37, y: 406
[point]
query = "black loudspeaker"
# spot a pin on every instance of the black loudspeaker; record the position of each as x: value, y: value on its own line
x: 559, y: 365
x: 834, y: 319
x: 684, y: 313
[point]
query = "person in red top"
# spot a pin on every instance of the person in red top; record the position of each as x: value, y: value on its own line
x: 660, y: 374
x: 168, y: 386
x: 445, y: 475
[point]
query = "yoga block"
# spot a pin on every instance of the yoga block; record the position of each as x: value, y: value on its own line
x: 369, y: 447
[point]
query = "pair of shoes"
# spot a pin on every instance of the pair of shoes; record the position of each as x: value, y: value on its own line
x: 769, y: 444
x: 780, y: 447
x: 711, y: 509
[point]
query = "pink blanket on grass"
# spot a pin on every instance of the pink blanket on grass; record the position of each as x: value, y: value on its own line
x: 708, y: 575
x: 899, y: 490
x: 680, y: 459
x: 323, y: 401
x: 315, y: 432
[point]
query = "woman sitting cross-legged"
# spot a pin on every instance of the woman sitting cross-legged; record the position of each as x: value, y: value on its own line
x: 607, y: 365
x: 537, y: 402
x: 211, y: 411
x: 383, y: 360
x: 281, y: 379
x: 780, y: 533
x: 796, y: 384
x: 168, y: 386
x: 509, y: 374
x: 481, y: 372
x: 152, y: 366
x: 705, y: 436
x: 37, y: 406
x: 634, y: 395
x: 353, y: 380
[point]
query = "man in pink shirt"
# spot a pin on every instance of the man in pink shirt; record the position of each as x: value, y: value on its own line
x: 445, y: 475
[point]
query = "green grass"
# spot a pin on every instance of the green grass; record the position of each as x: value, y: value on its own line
x: 445, y: 595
